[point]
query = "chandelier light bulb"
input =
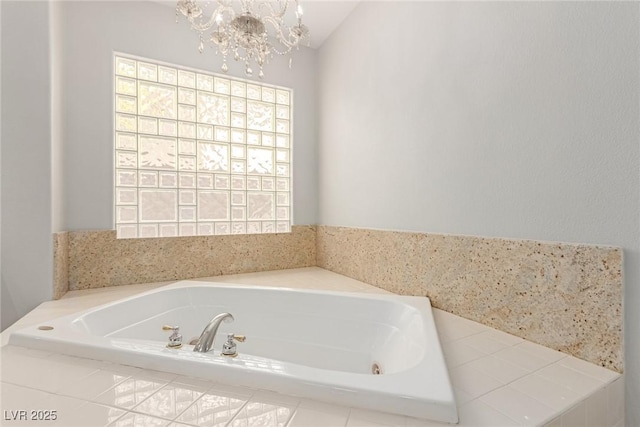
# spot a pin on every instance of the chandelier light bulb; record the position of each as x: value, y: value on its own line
x: 252, y: 35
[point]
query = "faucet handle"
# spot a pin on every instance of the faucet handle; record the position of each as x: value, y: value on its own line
x: 239, y: 338
x: 175, y: 340
x: 229, y: 347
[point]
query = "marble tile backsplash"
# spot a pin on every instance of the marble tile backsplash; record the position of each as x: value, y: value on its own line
x: 60, y: 264
x: 98, y: 259
x: 564, y: 296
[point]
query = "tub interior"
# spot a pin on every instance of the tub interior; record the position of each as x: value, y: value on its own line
x: 341, y: 333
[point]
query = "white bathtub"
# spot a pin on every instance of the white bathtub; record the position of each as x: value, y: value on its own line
x: 313, y: 344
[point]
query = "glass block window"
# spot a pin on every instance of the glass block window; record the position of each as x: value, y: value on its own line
x: 199, y: 153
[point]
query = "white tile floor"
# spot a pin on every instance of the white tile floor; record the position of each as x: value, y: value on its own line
x: 499, y: 380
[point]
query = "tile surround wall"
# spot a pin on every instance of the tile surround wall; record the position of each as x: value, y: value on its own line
x: 564, y: 296
x: 498, y: 379
x: 97, y: 259
x: 603, y: 408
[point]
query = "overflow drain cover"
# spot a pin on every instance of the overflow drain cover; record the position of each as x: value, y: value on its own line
x: 376, y: 369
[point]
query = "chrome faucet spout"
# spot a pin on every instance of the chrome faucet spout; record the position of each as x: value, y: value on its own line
x: 205, y: 342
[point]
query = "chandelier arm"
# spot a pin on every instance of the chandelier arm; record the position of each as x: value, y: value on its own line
x: 201, y: 26
x: 222, y: 8
x: 279, y: 33
x: 283, y: 5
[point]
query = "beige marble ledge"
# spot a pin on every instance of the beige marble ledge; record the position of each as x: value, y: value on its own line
x: 563, y: 296
x: 98, y: 259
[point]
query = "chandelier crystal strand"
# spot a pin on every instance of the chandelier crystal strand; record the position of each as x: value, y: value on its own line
x: 247, y: 34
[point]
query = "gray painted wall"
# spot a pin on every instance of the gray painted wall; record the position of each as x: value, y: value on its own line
x: 27, y: 245
x: 506, y: 119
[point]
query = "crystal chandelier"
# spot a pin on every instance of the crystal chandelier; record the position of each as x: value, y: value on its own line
x: 252, y: 35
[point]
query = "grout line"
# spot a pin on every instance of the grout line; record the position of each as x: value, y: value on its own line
x: 113, y: 423
x: 288, y: 423
x: 520, y: 422
x: 238, y: 412
x: 35, y: 389
x: 605, y: 382
x: 348, y: 417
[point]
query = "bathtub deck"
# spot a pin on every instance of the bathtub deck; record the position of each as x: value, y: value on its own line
x: 499, y: 379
